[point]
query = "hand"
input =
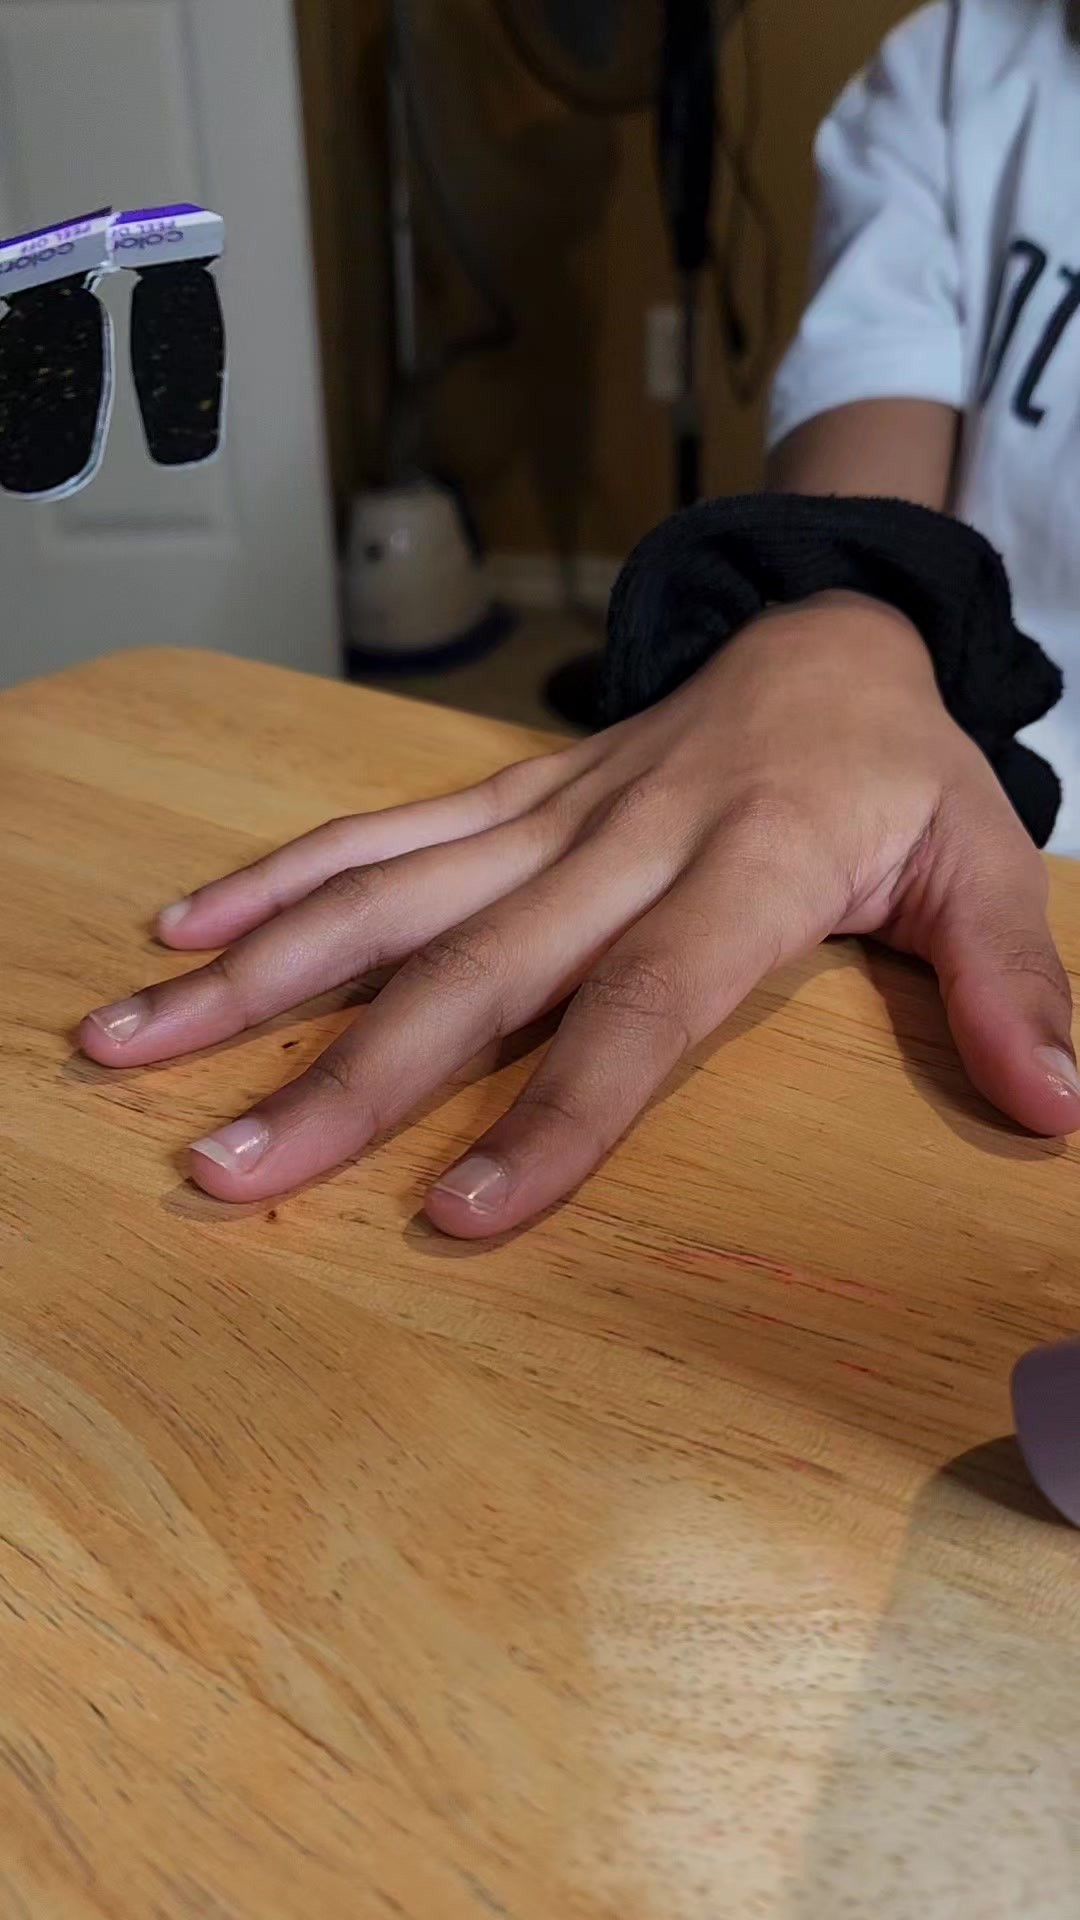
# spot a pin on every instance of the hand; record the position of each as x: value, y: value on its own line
x: 806, y: 782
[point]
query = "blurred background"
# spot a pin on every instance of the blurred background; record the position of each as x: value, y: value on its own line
x: 504, y: 282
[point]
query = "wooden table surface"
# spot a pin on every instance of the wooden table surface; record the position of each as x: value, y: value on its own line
x: 667, y: 1562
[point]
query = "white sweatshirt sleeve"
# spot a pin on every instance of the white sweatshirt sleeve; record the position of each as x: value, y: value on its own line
x: 885, y: 317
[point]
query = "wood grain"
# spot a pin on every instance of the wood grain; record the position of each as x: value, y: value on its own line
x: 667, y: 1562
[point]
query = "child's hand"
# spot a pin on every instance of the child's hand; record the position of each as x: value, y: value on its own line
x: 806, y: 782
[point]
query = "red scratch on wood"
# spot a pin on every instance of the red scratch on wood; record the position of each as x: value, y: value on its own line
x: 689, y: 1258
x: 799, y: 1465
x: 872, y: 1373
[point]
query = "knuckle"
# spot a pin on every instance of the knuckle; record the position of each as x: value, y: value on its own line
x: 635, y: 805
x: 765, y: 817
x: 337, y: 837
x: 355, y: 888
x: 1028, y: 957
x: 517, y: 786
x: 334, y: 1073
x: 503, y: 793
x: 227, y: 973
x: 463, y: 959
x: 638, y: 990
x: 340, y: 831
x: 562, y: 816
x: 554, y: 1100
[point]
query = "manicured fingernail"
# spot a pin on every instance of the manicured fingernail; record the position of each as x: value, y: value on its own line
x: 1060, y: 1066
x: 238, y: 1147
x: 479, y: 1182
x: 170, y: 917
x: 122, y: 1021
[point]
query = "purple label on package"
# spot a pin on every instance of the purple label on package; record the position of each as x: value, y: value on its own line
x: 62, y: 229
x: 157, y: 213
x: 52, y: 253
x: 183, y: 232
x: 103, y: 242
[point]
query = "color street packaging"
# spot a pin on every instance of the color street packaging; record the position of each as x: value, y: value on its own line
x: 56, y: 358
x: 56, y: 345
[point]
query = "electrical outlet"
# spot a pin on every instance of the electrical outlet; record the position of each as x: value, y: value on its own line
x: 664, y: 353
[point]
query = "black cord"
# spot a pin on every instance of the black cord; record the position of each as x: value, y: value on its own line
x: 748, y: 367
x: 558, y: 78
x: 410, y: 394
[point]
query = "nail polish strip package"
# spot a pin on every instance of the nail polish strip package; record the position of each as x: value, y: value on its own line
x: 177, y: 330
x: 56, y: 358
x: 56, y: 345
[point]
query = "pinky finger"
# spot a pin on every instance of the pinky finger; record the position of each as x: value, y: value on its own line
x: 226, y: 909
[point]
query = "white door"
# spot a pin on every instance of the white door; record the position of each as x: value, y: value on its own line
x: 148, y: 102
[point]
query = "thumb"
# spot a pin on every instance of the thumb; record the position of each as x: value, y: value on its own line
x: 1006, y: 992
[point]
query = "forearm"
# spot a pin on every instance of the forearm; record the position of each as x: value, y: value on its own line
x: 899, y: 449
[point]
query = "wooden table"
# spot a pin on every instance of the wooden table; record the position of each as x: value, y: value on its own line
x: 667, y: 1562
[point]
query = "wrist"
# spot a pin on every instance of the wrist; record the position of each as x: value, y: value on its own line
x: 861, y: 612
x: 849, y: 630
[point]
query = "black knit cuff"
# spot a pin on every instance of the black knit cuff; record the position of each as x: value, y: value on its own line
x: 701, y: 576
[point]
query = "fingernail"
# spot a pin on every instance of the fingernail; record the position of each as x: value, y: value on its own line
x: 170, y: 917
x: 1060, y: 1066
x: 122, y: 1021
x: 238, y: 1147
x: 479, y: 1182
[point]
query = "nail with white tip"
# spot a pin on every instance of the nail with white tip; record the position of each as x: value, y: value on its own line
x: 236, y: 1148
x: 481, y: 1183
x: 170, y: 917
x: 1060, y: 1067
x: 120, y: 1023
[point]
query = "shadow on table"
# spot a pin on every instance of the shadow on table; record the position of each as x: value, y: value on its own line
x: 906, y: 987
x: 909, y: 994
x: 762, y: 1007
x: 953, y: 1787
x: 996, y: 1473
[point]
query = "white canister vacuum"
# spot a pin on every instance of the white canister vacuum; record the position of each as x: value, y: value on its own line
x: 414, y: 586
x: 416, y: 594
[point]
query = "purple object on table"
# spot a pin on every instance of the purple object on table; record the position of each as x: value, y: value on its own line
x: 1046, y: 1407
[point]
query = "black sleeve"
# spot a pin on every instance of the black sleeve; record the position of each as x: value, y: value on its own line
x: 701, y: 576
